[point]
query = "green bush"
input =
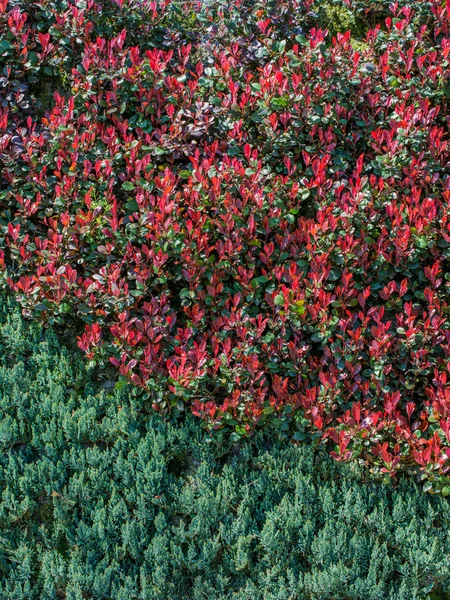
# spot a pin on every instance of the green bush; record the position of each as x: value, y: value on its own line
x: 101, y: 499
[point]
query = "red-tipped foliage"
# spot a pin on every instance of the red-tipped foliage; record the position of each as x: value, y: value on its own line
x: 252, y: 223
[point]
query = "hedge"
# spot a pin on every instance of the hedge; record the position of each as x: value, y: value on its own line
x: 247, y: 212
x: 101, y: 498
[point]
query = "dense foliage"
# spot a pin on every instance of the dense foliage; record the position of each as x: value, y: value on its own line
x: 249, y: 213
x: 100, y: 500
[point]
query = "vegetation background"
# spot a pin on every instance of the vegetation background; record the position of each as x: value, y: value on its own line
x: 239, y: 211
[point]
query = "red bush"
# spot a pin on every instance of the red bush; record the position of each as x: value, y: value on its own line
x: 252, y: 220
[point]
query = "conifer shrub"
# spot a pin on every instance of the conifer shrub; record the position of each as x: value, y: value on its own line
x: 248, y: 214
x: 103, y: 499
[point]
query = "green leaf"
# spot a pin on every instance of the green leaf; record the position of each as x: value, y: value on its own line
x: 132, y: 206
x: 121, y: 384
x: 335, y: 274
x: 40, y: 306
x: 279, y: 103
x: 256, y: 117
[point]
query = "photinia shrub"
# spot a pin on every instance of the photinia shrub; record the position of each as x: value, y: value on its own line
x: 249, y: 213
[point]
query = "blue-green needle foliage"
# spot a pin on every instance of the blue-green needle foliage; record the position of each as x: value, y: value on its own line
x: 100, y: 499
